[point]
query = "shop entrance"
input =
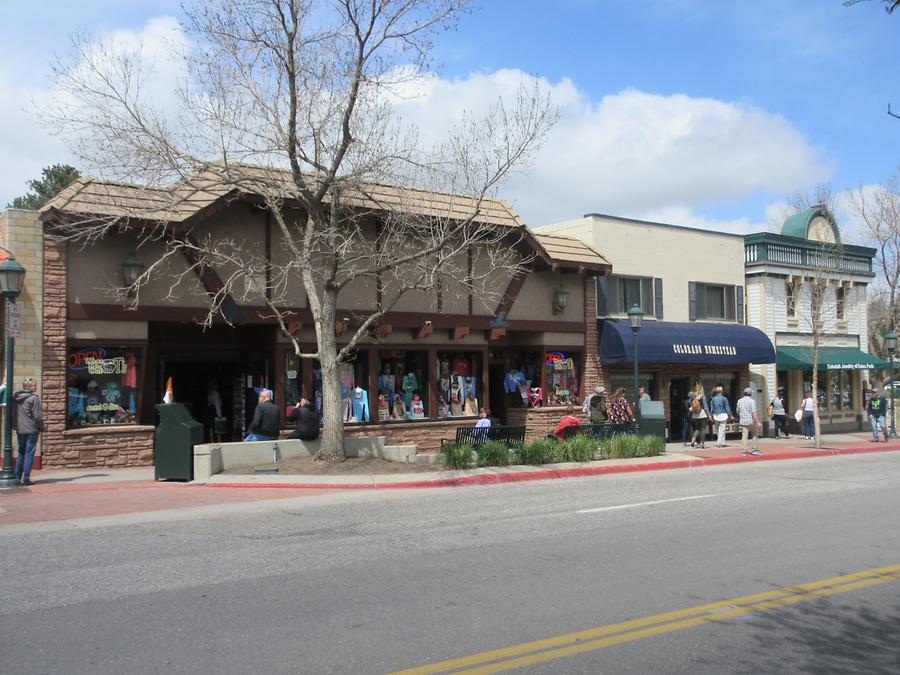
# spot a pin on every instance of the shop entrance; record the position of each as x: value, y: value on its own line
x: 678, y: 392
x: 220, y: 359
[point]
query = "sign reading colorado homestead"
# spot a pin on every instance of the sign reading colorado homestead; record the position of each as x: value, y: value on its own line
x: 714, y: 350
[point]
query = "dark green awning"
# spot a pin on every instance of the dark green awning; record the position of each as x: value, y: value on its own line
x: 830, y: 358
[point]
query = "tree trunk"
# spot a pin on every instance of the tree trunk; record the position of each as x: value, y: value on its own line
x: 332, y: 446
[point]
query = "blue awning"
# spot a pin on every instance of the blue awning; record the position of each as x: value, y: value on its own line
x: 670, y: 342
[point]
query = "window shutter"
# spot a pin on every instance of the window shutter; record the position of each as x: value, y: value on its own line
x: 692, y: 301
x: 657, y: 283
x: 647, y: 295
x: 602, y: 285
x: 740, y: 303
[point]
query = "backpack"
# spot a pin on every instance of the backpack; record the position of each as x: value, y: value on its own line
x: 695, y: 405
x: 598, y: 408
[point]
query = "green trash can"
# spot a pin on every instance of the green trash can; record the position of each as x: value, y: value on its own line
x: 174, y: 441
x: 652, y: 419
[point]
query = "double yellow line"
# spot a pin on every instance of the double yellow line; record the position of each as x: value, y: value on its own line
x: 540, y: 651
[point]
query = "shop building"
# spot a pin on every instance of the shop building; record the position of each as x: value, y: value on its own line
x: 104, y: 366
x: 690, y: 285
x: 784, y: 271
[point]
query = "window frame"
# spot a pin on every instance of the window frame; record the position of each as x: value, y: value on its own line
x: 729, y: 302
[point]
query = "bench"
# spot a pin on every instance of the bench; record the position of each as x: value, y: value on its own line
x: 512, y: 437
x: 599, y: 430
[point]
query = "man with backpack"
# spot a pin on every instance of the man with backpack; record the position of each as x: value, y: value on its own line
x: 595, y: 406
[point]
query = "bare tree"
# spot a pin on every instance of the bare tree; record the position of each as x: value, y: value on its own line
x: 878, y: 211
x: 822, y: 194
x: 289, y: 102
x: 889, y: 5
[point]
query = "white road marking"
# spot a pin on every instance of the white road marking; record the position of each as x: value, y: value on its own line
x: 658, y: 501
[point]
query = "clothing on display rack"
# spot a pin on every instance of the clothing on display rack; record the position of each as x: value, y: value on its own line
x: 359, y: 402
x: 470, y: 409
x: 384, y: 413
x: 410, y: 385
x: 417, y: 409
x: 398, y: 411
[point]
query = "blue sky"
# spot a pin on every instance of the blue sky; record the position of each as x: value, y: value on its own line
x: 696, y: 112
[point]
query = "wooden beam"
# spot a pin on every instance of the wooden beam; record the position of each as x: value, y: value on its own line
x: 423, y: 331
x: 459, y: 332
x: 383, y: 330
x: 294, y: 328
x: 495, y: 334
x: 511, y: 293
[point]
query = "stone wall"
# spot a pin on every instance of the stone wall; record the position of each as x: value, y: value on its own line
x: 425, y: 435
x: 109, y: 446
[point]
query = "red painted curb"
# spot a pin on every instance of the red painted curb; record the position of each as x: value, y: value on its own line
x: 549, y: 474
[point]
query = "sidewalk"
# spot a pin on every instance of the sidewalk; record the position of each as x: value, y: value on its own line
x: 83, y: 497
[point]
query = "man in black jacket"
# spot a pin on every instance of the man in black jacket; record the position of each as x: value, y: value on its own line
x: 307, y: 420
x: 266, y: 422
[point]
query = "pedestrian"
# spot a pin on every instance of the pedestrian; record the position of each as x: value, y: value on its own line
x: 266, y: 422
x: 686, y: 418
x: 213, y: 407
x: 876, y: 409
x: 596, y: 406
x: 306, y: 419
x: 620, y: 411
x: 570, y: 420
x: 779, y: 413
x: 721, y: 414
x: 749, y: 421
x: 643, y: 395
x: 808, y: 406
x: 29, y: 423
x: 699, y: 417
x: 484, y: 422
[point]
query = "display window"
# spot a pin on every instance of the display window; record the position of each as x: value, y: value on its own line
x: 626, y: 381
x: 834, y: 393
x: 547, y: 377
x: 725, y: 379
x: 402, y: 384
x: 354, y: 377
x: 460, y: 385
x: 102, y: 385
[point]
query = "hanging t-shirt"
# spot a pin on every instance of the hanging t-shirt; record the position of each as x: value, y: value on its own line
x: 460, y: 366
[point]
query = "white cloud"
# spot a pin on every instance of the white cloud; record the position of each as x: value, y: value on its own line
x: 634, y: 153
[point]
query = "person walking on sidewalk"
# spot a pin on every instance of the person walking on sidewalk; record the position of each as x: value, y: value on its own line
x: 699, y: 417
x: 876, y: 409
x: 779, y: 414
x: 29, y: 423
x: 749, y: 421
x: 721, y: 414
x: 808, y: 406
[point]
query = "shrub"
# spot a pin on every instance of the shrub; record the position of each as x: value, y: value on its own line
x: 457, y: 456
x: 538, y: 452
x: 578, y: 448
x: 492, y: 453
x: 650, y: 446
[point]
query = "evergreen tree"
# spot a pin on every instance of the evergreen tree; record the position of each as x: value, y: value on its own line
x: 54, y: 179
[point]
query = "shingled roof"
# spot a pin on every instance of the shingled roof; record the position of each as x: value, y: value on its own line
x: 88, y: 198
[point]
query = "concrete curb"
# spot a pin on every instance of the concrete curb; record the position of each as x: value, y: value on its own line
x: 493, y: 477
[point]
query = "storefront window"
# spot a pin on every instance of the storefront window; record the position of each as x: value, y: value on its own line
x: 102, y: 385
x: 354, y: 377
x: 402, y: 385
x: 822, y: 386
x: 291, y: 381
x: 561, y: 370
x: 460, y: 386
x: 626, y: 381
x: 725, y: 379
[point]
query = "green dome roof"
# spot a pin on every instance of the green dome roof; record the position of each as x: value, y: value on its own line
x: 797, y: 225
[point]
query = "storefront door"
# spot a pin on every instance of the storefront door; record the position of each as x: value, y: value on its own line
x: 678, y: 392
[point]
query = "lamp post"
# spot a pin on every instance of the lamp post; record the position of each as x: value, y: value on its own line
x: 12, y: 276
x: 635, y: 318
x: 890, y: 341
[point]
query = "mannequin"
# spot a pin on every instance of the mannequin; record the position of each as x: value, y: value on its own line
x: 470, y: 409
x: 383, y: 413
x: 417, y: 410
x: 398, y: 412
x: 386, y: 381
x: 410, y: 384
x: 359, y: 401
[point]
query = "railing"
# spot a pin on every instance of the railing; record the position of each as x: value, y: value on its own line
x: 800, y: 256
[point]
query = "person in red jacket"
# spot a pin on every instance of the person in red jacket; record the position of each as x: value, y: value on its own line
x: 570, y: 420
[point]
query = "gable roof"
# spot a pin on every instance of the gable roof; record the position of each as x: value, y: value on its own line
x: 571, y: 252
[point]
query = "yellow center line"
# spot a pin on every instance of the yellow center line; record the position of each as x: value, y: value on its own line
x: 604, y: 636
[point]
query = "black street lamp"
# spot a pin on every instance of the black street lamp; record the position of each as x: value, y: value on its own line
x: 12, y: 276
x: 635, y: 318
x: 890, y: 341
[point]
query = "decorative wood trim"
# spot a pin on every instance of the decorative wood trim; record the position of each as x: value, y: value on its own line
x: 432, y: 378
x: 397, y: 320
x: 211, y: 281
x: 383, y: 330
x: 495, y: 334
x: 512, y: 292
x: 423, y: 331
x: 459, y: 332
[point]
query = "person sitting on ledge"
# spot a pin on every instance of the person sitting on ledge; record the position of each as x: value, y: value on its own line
x: 266, y: 420
x: 307, y: 420
x: 570, y: 420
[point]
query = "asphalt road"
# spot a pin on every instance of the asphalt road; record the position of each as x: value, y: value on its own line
x: 613, y: 574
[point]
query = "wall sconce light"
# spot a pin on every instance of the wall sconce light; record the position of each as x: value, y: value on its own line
x: 560, y: 299
x: 132, y: 269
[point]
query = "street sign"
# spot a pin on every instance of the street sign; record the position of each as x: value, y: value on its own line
x: 15, y: 320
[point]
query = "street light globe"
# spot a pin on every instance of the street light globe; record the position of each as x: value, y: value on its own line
x: 635, y: 318
x: 12, y: 277
x: 890, y: 341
